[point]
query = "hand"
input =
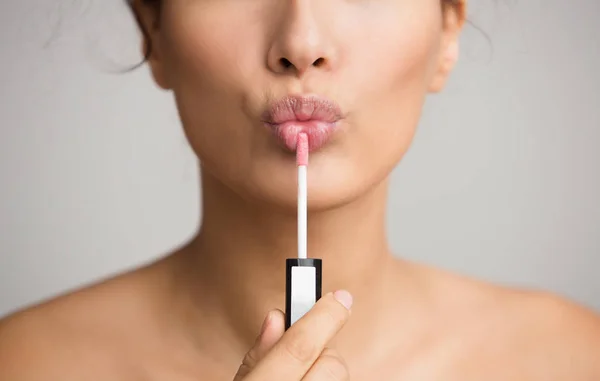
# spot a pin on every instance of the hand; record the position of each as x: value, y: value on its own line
x: 300, y: 353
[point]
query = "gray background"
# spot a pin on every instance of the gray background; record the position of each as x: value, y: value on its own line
x: 501, y: 183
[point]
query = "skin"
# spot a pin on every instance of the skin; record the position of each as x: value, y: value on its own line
x: 195, y: 314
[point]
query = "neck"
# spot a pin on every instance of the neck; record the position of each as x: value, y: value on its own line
x: 236, y: 264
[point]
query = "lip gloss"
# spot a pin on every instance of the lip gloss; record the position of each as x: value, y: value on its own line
x: 303, y: 274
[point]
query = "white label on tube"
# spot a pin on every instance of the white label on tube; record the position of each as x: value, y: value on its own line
x: 304, y: 288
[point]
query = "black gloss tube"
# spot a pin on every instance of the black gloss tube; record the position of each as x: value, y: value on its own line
x: 302, y: 287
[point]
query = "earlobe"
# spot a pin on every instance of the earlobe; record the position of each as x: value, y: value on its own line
x: 157, y: 68
x: 450, y: 47
x: 446, y: 64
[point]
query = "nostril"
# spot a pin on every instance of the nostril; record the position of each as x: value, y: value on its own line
x: 285, y: 63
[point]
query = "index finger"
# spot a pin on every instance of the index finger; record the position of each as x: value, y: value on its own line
x: 304, y: 341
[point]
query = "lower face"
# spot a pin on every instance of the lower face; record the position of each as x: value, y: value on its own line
x: 378, y: 59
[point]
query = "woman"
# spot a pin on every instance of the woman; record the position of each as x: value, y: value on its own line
x: 366, y: 67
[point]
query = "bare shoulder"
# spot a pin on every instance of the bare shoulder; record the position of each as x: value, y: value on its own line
x: 536, y: 334
x: 558, y: 327
x: 70, y: 337
x: 556, y: 322
x: 550, y: 337
x: 36, y: 344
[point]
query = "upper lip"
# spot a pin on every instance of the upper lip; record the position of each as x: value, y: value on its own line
x: 302, y: 108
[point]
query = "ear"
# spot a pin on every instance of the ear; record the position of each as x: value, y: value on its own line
x: 147, y: 15
x: 454, y: 16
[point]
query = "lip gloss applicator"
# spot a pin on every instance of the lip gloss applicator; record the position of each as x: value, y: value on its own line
x: 303, y: 274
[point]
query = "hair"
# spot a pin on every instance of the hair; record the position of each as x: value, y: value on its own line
x: 157, y: 3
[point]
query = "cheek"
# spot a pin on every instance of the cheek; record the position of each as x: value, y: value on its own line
x: 201, y: 44
x: 394, y: 63
x: 209, y: 65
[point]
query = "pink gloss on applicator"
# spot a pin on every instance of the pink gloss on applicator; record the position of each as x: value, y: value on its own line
x: 303, y: 274
x: 302, y: 150
x: 302, y: 163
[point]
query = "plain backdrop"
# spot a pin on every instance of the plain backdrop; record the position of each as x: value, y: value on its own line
x: 502, y: 182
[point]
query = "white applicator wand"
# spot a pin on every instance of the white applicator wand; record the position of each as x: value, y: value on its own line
x: 303, y: 274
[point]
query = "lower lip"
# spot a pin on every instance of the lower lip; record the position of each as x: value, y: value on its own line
x: 319, y: 133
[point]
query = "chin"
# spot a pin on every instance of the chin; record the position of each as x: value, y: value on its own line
x: 327, y: 190
x: 320, y: 199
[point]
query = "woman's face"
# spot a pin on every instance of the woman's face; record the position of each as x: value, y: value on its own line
x: 230, y: 61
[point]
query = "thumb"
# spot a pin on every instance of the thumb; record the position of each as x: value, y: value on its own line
x: 272, y: 330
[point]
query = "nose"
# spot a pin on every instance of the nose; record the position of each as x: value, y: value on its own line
x: 300, y: 42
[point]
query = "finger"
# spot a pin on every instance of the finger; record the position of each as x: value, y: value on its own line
x: 271, y: 335
x: 328, y: 367
x: 291, y: 358
x: 271, y: 331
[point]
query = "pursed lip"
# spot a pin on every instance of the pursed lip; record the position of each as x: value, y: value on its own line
x: 316, y: 116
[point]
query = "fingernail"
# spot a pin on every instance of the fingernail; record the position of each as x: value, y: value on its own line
x: 266, y: 323
x: 343, y: 297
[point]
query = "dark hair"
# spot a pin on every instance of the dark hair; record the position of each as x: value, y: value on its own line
x: 157, y: 3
